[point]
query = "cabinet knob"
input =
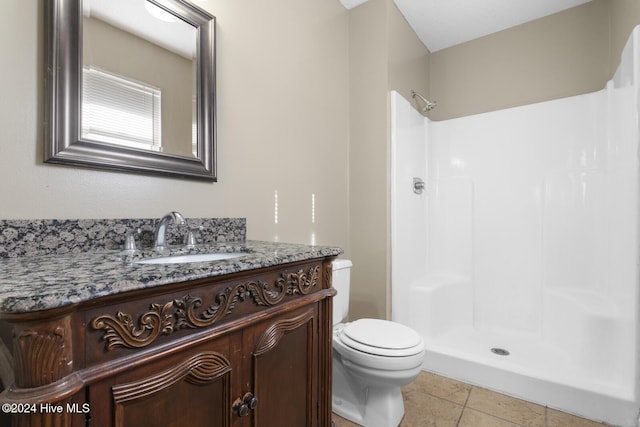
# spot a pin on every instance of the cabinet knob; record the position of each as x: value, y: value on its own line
x: 241, y: 408
x: 248, y: 402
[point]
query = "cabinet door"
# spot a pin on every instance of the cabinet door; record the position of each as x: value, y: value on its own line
x: 285, y: 373
x: 191, y: 388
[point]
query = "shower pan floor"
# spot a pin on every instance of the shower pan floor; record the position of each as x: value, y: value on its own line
x: 534, y: 369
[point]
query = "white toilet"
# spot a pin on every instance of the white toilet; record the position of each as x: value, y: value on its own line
x: 372, y: 359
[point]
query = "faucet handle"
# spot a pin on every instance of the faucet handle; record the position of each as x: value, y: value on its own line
x: 130, y: 243
x: 189, y: 239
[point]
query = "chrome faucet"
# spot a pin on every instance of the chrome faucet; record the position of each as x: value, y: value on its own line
x: 161, y: 231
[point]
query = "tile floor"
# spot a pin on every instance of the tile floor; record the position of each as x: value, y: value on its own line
x: 435, y: 401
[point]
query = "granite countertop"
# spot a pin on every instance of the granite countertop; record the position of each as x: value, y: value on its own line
x: 45, y: 282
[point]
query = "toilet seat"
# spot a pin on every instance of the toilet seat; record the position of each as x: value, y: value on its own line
x: 382, y: 338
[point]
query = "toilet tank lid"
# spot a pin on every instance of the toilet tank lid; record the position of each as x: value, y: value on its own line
x: 339, y: 264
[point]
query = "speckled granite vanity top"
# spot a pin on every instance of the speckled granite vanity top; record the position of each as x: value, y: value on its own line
x: 52, y: 280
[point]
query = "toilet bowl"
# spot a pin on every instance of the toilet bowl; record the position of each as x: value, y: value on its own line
x: 372, y: 360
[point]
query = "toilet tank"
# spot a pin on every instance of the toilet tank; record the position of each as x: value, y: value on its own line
x: 340, y: 281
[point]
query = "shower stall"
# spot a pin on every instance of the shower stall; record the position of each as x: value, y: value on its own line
x: 515, y: 245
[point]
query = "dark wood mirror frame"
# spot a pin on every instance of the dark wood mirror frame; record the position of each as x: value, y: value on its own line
x: 63, y: 143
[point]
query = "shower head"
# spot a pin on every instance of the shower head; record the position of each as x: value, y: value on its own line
x: 428, y: 105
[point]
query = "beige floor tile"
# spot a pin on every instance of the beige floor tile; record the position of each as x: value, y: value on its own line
x: 472, y: 418
x: 341, y: 422
x: 424, y: 410
x: 442, y: 387
x: 560, y: 419
x: 434, y: 401
x: 506, y: 407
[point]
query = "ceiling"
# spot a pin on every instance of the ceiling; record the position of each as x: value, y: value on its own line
x: 146, y: 21
x: 445, y: 23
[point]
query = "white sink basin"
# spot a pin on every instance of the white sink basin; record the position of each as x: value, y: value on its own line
x: 180, y: 259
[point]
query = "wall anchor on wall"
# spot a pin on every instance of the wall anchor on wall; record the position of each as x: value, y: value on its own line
x: 418, y: 185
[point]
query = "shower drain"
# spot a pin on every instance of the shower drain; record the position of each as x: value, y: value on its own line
x: 500, y: 351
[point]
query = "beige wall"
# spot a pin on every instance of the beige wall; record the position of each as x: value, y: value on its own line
x: 409, y: 59
x: 552, y: 57
x: 624, y: 16
x: 569, y: 53
x: 283, y: 124
x: 385, y: 54
x: 368, y: 159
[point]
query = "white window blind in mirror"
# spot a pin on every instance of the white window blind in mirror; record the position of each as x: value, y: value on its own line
x: 118, y: 110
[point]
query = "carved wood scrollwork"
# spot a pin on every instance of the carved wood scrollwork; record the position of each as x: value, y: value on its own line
x: 225, y: 302
x: 184, y: 313
x: 328, y: 275
x: 270, y: 338
x: 200, y: 369
x: 301, y: 282
x: 40, y: 357
x: 121, y: 331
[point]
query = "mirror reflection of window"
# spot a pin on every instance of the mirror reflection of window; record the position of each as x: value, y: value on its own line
x: 139, y: 41
x: 118, y: 110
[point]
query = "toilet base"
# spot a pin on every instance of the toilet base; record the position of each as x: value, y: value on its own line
x: 384, y: 408
x: 366, y: 406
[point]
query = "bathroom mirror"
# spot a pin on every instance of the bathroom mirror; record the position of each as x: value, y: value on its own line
x: 130, y: 86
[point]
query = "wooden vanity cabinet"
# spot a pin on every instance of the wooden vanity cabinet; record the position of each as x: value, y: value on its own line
x: 249, y: 349
x: 190, y: 388
x: 285, y: 375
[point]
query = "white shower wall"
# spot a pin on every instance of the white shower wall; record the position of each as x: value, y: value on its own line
x: 525, y: 238
x: 526, y: 187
